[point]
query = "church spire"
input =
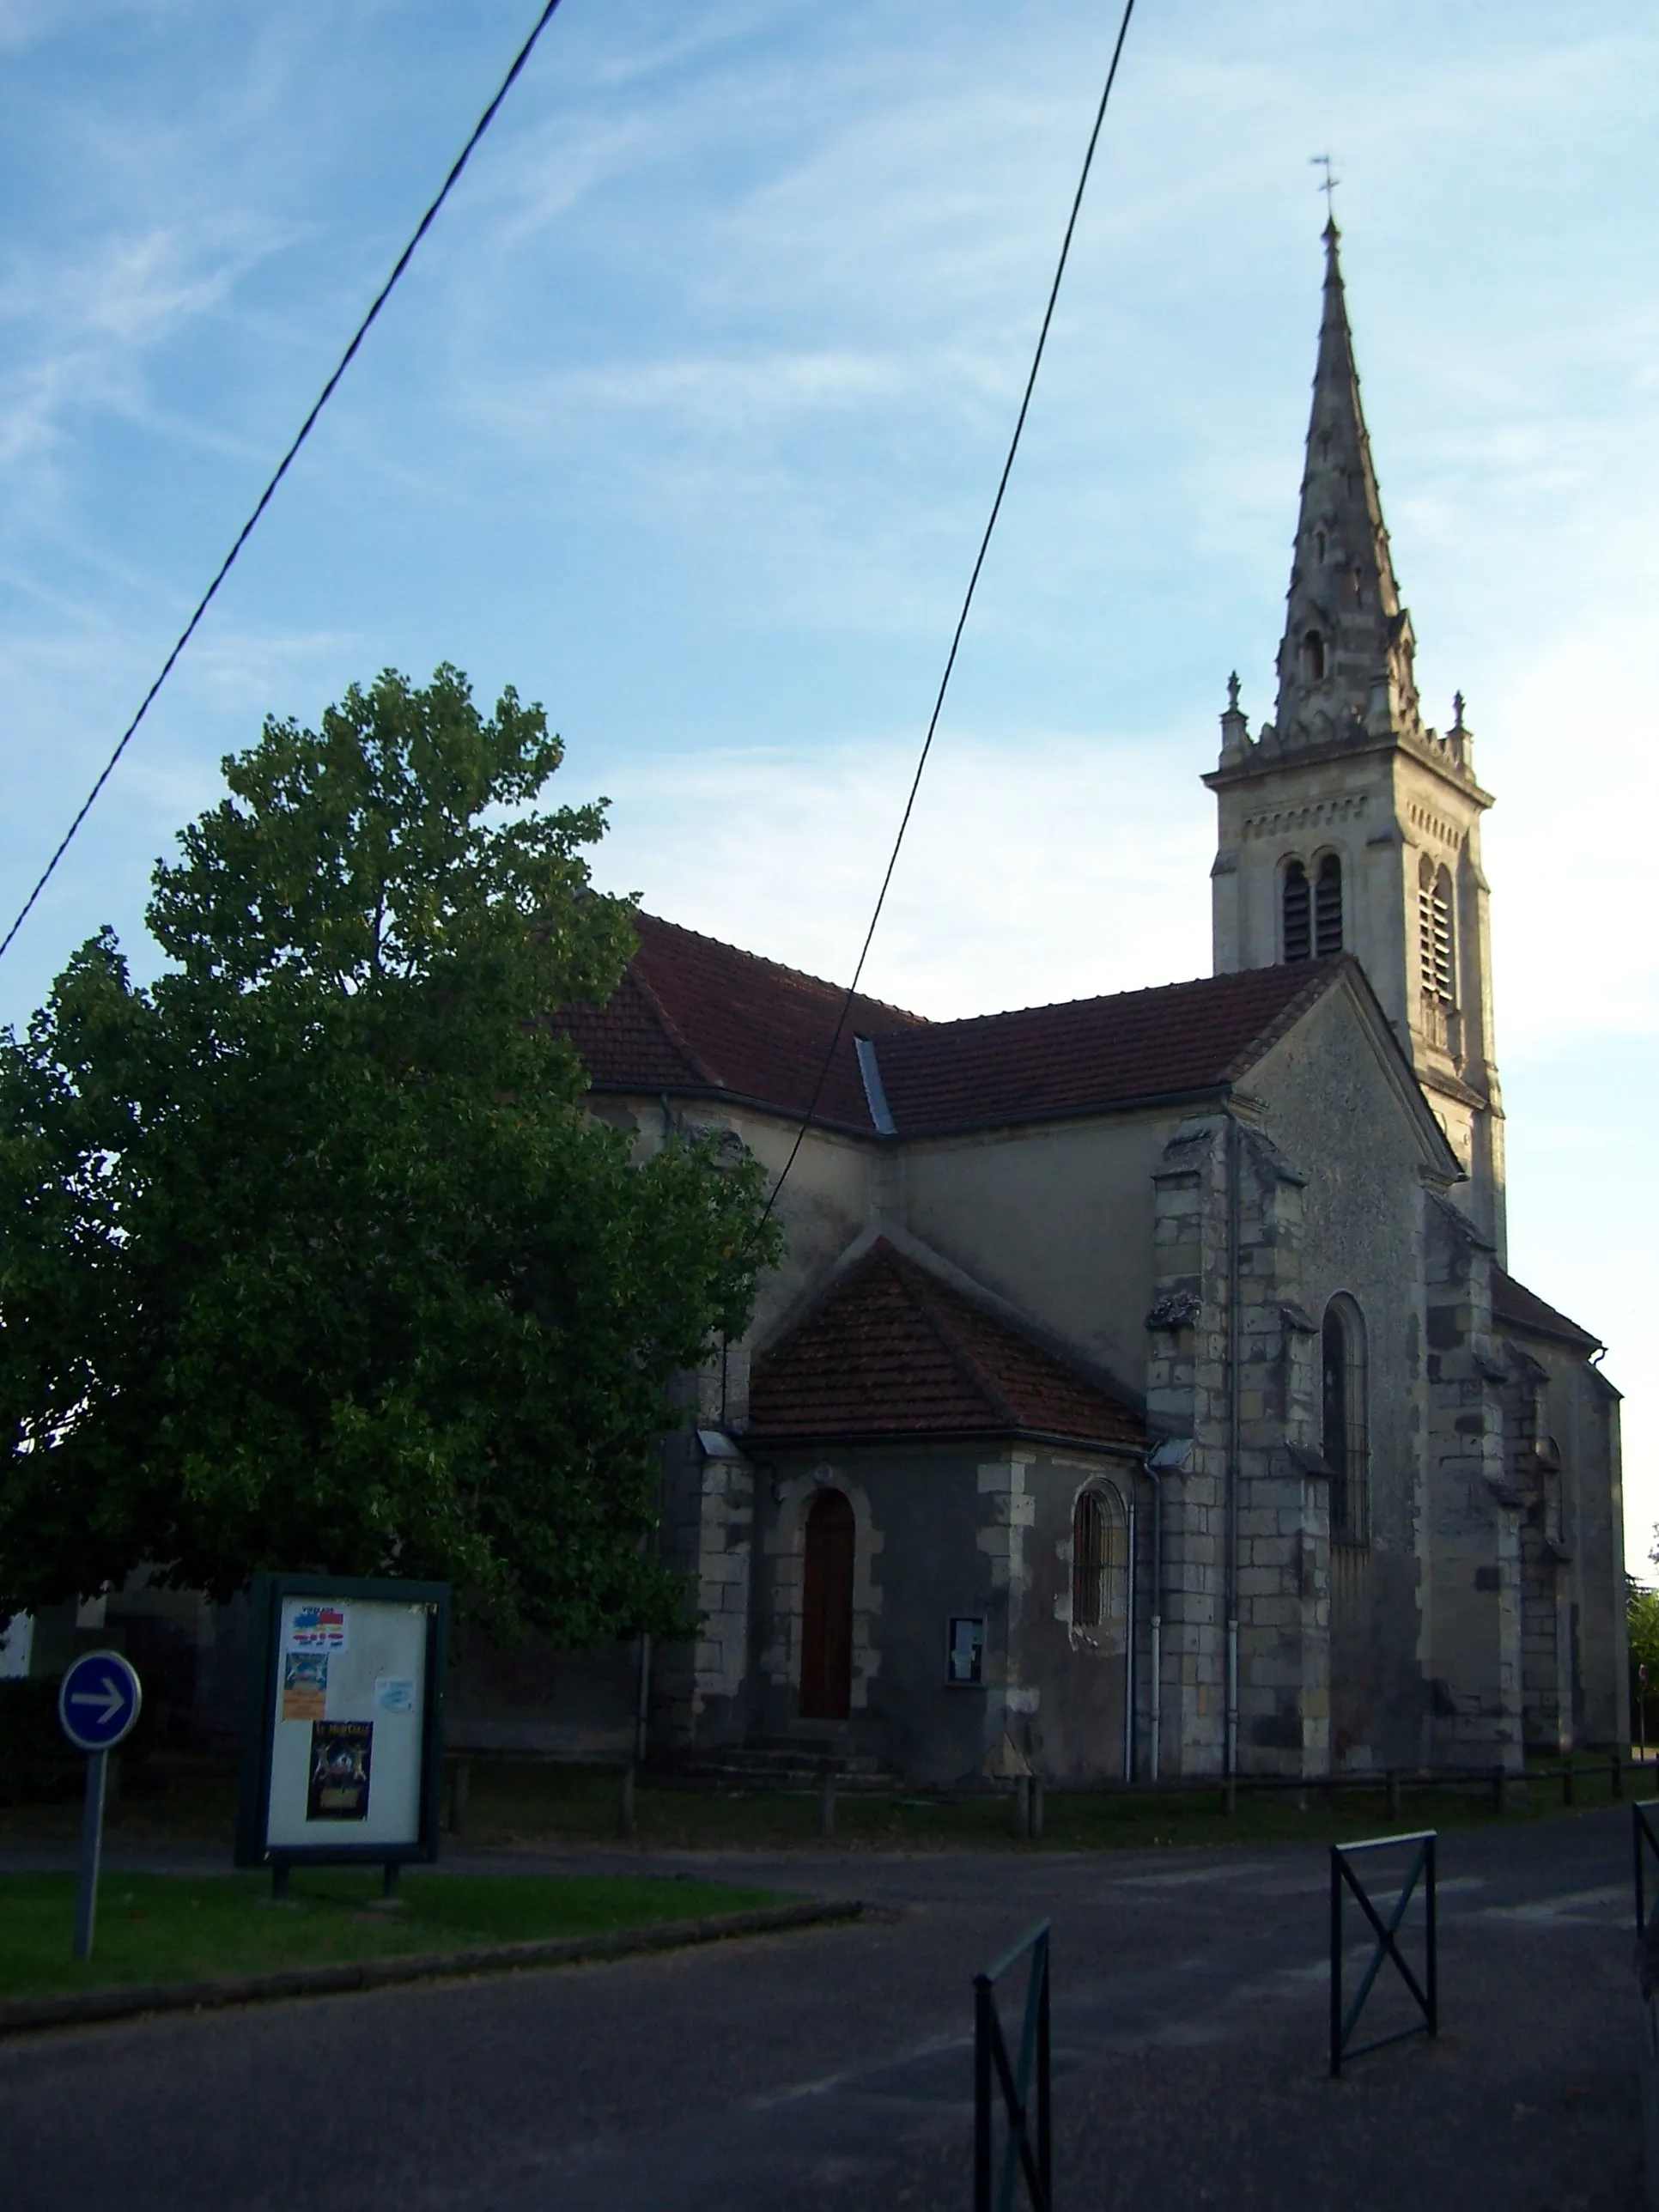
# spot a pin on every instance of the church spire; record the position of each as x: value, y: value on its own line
x: 1345, y: 663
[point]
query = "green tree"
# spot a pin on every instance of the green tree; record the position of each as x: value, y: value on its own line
x: 310, y: 1255
x: 1642, y: 1625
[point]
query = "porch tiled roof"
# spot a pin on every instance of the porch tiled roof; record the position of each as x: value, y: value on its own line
x: 692, y: 1014
x: 891, y: 1352
x: 1514, y: 1303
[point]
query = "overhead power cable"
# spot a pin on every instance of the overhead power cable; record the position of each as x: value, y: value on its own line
x: 283, y: 465
x: 851, y: 991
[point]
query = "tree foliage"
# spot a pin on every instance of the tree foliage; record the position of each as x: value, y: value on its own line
x: 310, y: 1255
x: 1642, y: 1625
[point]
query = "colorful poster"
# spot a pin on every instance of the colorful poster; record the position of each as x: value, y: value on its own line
x: 395, y: 1693
x: 316, y: 1626
x: 305, y: 1685
x: 340, y: 1755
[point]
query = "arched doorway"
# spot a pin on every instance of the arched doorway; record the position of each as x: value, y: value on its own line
x: 826, y: 1627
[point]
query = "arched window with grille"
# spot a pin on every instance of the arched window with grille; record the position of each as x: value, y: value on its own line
x: 1327, y: 906
x: 1435, y: 944
x: 1347, y: 1436
x: 1297, y: 896
x: 1100, y: 1564
x: 1313, y: 657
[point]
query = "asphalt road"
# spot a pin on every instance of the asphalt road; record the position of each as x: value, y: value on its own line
x: 831, y: 2069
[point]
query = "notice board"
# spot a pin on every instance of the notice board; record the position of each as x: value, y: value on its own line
x: 344, y: 1748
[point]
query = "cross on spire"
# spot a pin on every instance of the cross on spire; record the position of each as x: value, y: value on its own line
x: 1328, y: 185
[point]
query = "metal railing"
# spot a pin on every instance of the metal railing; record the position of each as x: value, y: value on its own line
x: 1645, y: 1840
x: 1026, y: 2148
x: 1570, y: 1775
x: 1343, y: 2023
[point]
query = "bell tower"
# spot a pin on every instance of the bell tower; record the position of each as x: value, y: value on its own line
x: 1348, y: 824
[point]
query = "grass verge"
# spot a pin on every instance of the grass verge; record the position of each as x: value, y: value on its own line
x: 168, y: 1928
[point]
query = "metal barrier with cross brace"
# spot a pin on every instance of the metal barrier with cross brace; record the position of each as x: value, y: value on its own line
x: 1646, y: 1842
x: 1027, y: 2149
x: 1343, y: 2024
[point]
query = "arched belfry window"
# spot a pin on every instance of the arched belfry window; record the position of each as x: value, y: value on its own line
x: 1327, y: 906
x: 1100, y: 1563
x: 1347, y: 1436
x: 1434, y: 932
x: 1298, y: 896
x: 1313, y: 657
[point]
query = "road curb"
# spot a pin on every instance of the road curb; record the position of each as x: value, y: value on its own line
x: 77, y: 2007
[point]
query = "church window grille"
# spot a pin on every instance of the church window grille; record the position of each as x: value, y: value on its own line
x: 1313, y: 657
x: 1319, y: 544
x: 1298, y: 912
x: 1328, y: 907
x: 1434, y: 932
x: 1345, y: 1440
x: 1100, y: 1562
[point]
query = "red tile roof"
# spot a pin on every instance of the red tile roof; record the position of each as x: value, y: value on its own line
x: 1514, y: 1303
x: 1090, y: 1053
x: 692, y: 1014
x: 891, y: 1352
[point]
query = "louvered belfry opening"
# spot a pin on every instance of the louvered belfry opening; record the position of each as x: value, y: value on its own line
x: 1434, y: 932
x: 826, y: 1648
x: 1328, y: 907
x: 1298, y: 912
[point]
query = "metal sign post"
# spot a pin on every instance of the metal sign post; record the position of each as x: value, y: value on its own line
x: 99, y: 1702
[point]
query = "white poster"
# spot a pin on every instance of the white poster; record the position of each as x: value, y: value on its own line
x: 350, y: 1711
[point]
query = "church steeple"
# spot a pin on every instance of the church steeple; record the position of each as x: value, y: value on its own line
x: 1346, y: 825
x: 1345, y: 662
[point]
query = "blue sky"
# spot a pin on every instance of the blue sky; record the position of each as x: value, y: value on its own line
x: 686, y: 419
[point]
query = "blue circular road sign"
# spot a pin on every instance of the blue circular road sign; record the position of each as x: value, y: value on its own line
x: 98, y: 1701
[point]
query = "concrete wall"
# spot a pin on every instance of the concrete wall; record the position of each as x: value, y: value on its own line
x: 944, y: 1530
x: 1561, y: 1442
x: 540, y: 1701
x: 1331, y: 1110
x: 1055, y: 1218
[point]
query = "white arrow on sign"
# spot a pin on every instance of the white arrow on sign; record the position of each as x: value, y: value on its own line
x: 110, y: 1698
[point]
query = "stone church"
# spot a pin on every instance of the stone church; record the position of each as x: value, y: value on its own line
x: 1144, y: 1393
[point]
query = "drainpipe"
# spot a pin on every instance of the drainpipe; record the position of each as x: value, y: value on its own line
x: 1129, y: 1654
x: 642, y: 1714
x: 1233, y: 1333
x: 1155, y: 1624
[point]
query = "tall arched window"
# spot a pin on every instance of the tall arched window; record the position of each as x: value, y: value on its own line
x: 1346, y: 1438
x: 1313, y: 657
x: 1328, y: 907
x: 1100, y: 1563
x: 1298, y: 912
x: 1434, y: 932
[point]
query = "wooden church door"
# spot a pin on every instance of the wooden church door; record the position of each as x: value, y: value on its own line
x: 826, y: 1652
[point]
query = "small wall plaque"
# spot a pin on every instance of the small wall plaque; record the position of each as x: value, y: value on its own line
x: 964, y: 1651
